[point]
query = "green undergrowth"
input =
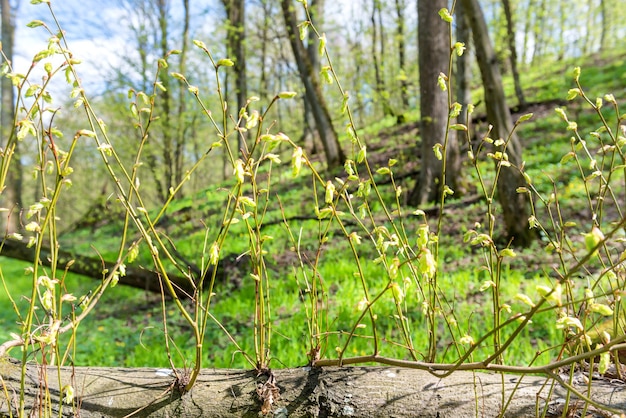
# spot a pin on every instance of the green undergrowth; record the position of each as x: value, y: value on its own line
x: 127, y: 325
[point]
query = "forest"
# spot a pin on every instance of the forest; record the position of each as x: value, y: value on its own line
x: 311, y: 208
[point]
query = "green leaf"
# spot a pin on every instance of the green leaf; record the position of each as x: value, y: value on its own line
x: 573, y: 93
x: 525, y: 117
x: 287, y: 94
x: 561, y: 113
x: 568, y: 157
x: 225, y: 62
x: 322, y: 44
x: 326, y: 75
x: 383, y: 170
x: 34, y: 23
x: 437, y: 150
x: 344, y: 103
x: 601, y: 308
x: 459, y: 48
x: 593, y: 238
x: 445, y: 15
x: 605, y: 360
x: 296, y: 161
x: 441, y: 81
x: 199, y: 44
x: 303, y: 28
x: 507, y: 252
x: 361, y: 155
x: 330, y: 192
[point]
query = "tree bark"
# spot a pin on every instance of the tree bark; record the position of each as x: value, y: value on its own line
x: 11, y: 189
x: 334, y: 154
x: 304, y: 392
x: 515, y: 206
x: 434, y: 56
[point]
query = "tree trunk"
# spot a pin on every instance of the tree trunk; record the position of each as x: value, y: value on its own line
x: 309, y: 134
x: 434, y: 56
x: 538, y: 26
x: 404, y: 87
x: 527, y: 29
x: 463, y: 67
x: 313, y: 91
x: 236, y: 36
x: 519, y: 93
x: 604, y: 25
x: 381, y: 90
x: 514, y: 205
x: 303, y: 392
x: 166, y: 99
x: 11, y: 190
x: 183, y: 126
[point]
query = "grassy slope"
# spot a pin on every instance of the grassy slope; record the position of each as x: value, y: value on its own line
x: 126, y: 329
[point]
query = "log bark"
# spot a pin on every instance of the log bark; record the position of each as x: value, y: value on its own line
x: 310, y: 392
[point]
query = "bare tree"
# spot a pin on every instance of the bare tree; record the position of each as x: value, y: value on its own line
x: 515, y: 206
x: 404, y: 86
x: 463, y: 67
x: 378, y: 47
x: 323, y: 122
x: 11, y: 196
x: 510, y: 25
x: 605, y: 24
x: 316, y: 12
x: 434, y: 55
x: 236, y: 36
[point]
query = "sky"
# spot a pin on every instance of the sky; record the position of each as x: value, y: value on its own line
x: 77, y: 19
x: 97, y: 35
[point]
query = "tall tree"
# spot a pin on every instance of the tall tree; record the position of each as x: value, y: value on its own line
x: 171, y: 136
x: 182, y: 126
x: 605, y: 24
x: 463, y: 67
x: 404, y: 87
x: 316, y: 12
x: 323, y: 122
x: 236, y: 36
x: 11, y: 196
x: 166, y: 106
x: 378, y: 47
x: 434, y: 58
x: 519, y: 93
x: 540, y: 16
x: 515, y: 206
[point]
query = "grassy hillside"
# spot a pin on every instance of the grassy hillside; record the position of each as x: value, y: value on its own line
x: 127, y: 327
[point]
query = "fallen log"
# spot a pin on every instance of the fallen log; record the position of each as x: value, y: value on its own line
x: 308, y: 391
x: 137, y: 277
